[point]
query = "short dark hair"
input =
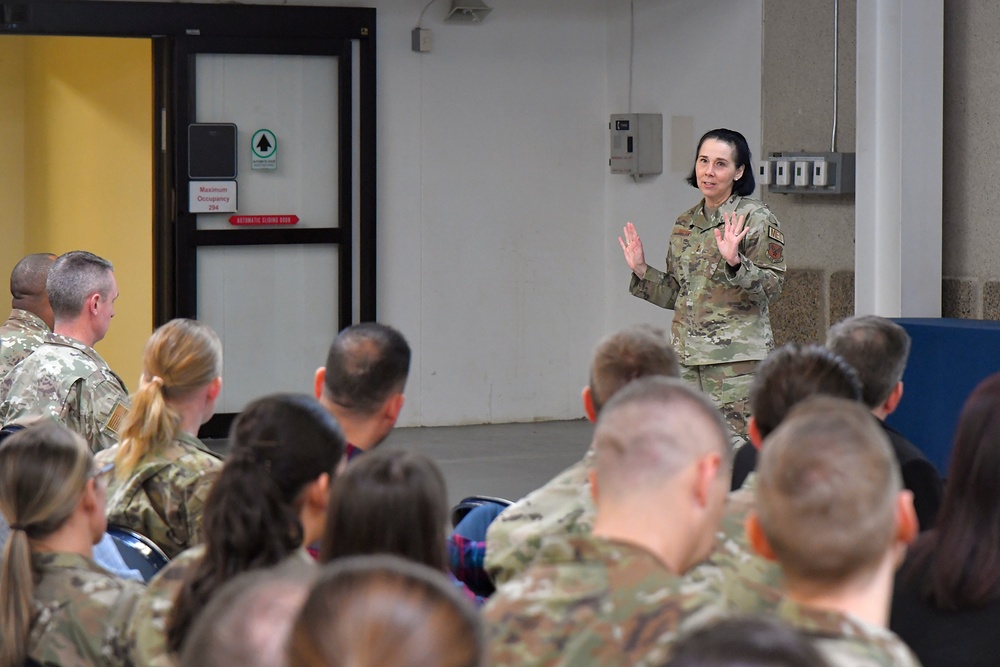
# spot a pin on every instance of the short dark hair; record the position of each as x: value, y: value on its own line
x: 877, y: 348
x: 962, y: 565
x: 793, y: 373
x: 629, y: 354
x: 27, y: 280
x: 73, y: 277
x: 388, y: 501
x: 248, y: 621
x: 651, y: 429
x: 385, y: 611
x: 745, y: 184
x: 746, y: 641
x: 826, y: 492
x: 367, y: 363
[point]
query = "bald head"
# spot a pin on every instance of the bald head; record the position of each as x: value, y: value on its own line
x: 649, y: 431
x: 27, y: 285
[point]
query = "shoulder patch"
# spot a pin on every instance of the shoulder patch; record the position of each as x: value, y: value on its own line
x: 774, y: 251
x: 115, y: 419
x: 773, y: 233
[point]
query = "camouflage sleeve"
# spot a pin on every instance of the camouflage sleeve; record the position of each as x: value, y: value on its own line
x: 116, y: 645
x: 761, y: 272
x: 147, y: 631
x: 89, y: 633
x: 656, y: 287
x: 102, y: 411
x: 563, y: 506
x: 194, y: 504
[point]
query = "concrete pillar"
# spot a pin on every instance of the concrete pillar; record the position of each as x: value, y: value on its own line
x: 900, y: 61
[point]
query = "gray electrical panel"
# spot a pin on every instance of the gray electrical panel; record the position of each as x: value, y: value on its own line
x: 636, y: 144
x: 815, y: 173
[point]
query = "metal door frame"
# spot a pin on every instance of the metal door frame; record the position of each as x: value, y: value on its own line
x: 170, y: 24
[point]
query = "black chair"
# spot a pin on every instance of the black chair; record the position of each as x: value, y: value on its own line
x: 10, y: 429
x: 138, y: 551
x: 466, y: 505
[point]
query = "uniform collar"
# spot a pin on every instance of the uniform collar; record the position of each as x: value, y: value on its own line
x: 61, y: 560
x: 28, y: 319
x: 701, y: 220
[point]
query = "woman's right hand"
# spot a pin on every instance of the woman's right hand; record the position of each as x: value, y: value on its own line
x: 632, y: 247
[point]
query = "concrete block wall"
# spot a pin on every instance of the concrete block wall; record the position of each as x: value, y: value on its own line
x: 797, y: 83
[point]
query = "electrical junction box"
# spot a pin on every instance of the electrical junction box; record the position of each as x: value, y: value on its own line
x: 815, y: 173
x: 636, y: 144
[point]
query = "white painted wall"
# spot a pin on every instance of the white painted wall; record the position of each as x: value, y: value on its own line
x: 697, y: 63
x: 498, y: 215
x: 498, y: 218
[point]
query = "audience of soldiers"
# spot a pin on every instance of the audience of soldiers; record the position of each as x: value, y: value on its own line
x: 638, y: 554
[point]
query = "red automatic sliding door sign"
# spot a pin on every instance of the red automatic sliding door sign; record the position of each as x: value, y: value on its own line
x: 248, y: 220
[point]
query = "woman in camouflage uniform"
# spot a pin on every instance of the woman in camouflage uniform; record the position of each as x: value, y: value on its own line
x: 724, y: 267
x: 163, y: 473
x: 57, y: 607
x: 268, y: 503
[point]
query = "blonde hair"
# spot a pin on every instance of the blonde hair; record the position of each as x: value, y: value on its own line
x: 44, y: 470
x: 826, y: 491
x: 180, y: 357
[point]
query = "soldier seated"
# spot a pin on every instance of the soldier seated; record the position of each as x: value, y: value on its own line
x: 31, y: 315
x: 564, y: 506
x: 60, y: 608
x: 788, y: 376
x: 163, y: 472
x: 615, y: 596
x: 832, y: 512
x: 65, y: 378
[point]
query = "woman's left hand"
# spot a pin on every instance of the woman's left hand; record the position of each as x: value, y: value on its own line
x: 729, y: 237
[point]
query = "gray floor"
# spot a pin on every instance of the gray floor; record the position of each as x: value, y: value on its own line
x: 505, y: 460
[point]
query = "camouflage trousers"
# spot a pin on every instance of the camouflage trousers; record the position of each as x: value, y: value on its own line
x: 729, y: 386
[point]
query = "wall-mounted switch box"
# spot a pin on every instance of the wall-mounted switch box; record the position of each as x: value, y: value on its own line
x: 782, y: 172
x: 765, y: 172
x: 636, y: 144
x: 822, y: 173
x: 802, y: 173
x: 421, y: 40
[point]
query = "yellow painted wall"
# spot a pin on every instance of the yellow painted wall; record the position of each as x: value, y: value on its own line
x: 88, y: 170
x: 12, y: 93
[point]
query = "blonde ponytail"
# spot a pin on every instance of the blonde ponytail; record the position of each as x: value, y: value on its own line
x: 151, y: 423
x: 181, y: 357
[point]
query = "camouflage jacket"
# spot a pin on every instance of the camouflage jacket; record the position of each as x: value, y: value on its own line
x: 564, y: 506
x: 164, y: 496
x: 590, y: 601
x: 70, y: 382
x: 748, y: 582
x: 847, y: 641
x: 20, y: 335
x: 147, y: 634
x: 80, y: 612
x: 720, y: 314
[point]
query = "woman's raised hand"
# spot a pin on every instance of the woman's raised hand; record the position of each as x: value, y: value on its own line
x: 730, y: 236
x: 632, y: 247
